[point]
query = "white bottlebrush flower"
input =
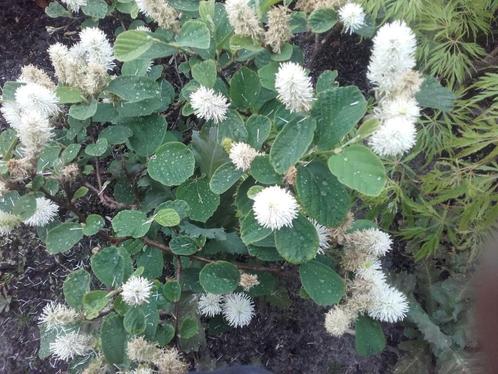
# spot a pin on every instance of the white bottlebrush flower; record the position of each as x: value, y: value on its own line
x: 56, y: 315
x: 142, y: 370
x: 387, y: 304
x: 371, y: 271
x: 352, y: 17
x: 324, y: 236
x: 45, y: 212
x: 7, y: 222
x: 136, y: 291
x: 32, y: 74
x: 274, y: 208
x: 294, y: 87
x: 400, y: 106
x: 242, y: 155
x: 337, y: 321
x: 96, y: 47
x: 32, y: 97
x: 393, y: 137
x: 75, y: 5
x: 169, y: 361
x: 12, y: 113
x: 243, y: 18
x: 279, y: 31
x: 209, y: 105
x: 372, y: 241
x: 161, y: 12
x: 68, y: 346
x: 34, y: 132
x: 393, y: 55
x: 238, y: 309
x: 209, y: 304
x: 140, y: 350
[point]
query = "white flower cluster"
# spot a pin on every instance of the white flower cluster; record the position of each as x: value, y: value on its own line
x: 160, y: 11
x: 396, y: 83
x: 167, y: 360
x: 136, y: 290
x: 370, y: 293
x: 67, y: 346
x: 55, y: 315
x: 86, y: 64
x: 209, y: 105
x: 237, y: 308
x: 242, y: 155
x: 352, y: 17
x: 324, y: 236
x: 275, y: 207
x: 294, y: 87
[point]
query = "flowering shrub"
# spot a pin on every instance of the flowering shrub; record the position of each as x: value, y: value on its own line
x: 251, y: 181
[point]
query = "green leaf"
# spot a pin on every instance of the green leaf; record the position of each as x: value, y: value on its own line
x: 360, y: 169
x: 83, y: 111
x: 263, y: 171
x: 321, y: 195
x: 258, y: 130
x: 165, y: 334
x: 148, y: 133
x: 321, y: 283
x: 76, y: 285
x: 245, y: 88
x: 205, y: 73
x: 326, y: 81
x: 433, y: 95
x: 70, y: 153
x: 116, y: 134
x: 337, y: 111
x: 238, y: 42
x: 94, y: 223
x: 97, y: 149
x: 94, y: 302
x: 167, y: 217
x: 265, y: 253
x: 183, y: 245
x: 152, y: 260
x: 172, y: 291
x: 132, y: 44
x: 180, y: 206
x: 299, y: 243
x: 193, y: 34
x: 209, y: 154
x: 322, y: 20
x: 79, y: 193
x: 54, y: 10
x: 219, y: 277
x: 95, y: 8
x: 202, y: 201
x: 132, y: 223
x: 224, y: 177
x: 134, y: 321
x: 188, y: 329
x: 369, y: 337
x: 112, y: 266
x: 251, y: 231
x: 68, y: 95
x: 267, y: 75
x: 134, y: 89
x: 291, y: 143
x: 113, y: 339
x: 24, y: 207
x: 63, y: 237
x: 172, y: 164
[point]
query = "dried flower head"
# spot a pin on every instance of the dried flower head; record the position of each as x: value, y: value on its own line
x: 243, y: 18
x: 209, y: 105
x: 290, y: 175
x: 337, y: 321
x: 338, y: 234
x: 160, y: 11
x: 169, y: 361
x: 242, y: 155
x: 56, y: 315
x: 408, y: 84
x: 248, y: 281
x: 67, y: 346
x: 352, y: 17
x: 32, y: 97
x: 69, y: 173
x: 275, y: 208
x: 32, y: 74
x: 309, y: 6
x: 238, y: 309
x: 387, y: 304
x: 140, y: 350
x: 294, y: 87
x: 353, y: 258
x: 209, y: 304
x: 45, y: 212
x: 393, y: 55
x: 7, y: 222
x: 20, y: 168
x: 323, y: 236
x: 75, y: 5
x: 372, y: 241
x: 393, y: 137
x: 279, y: 31
x: 136, y: 290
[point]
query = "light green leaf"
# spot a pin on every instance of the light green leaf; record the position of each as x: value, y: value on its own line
x: 95, y: 8
x: 219, y: 277
x: 251, y: 231
x: 94, y: 223
x: 132, y: 44
x: 258, y: 130
x: 134, y: 321
x: 148, y: 133
x: 172, y: 164
x: 433, y: 95
x: 132, y: 223
x: 63, y: 237
x: 94, y: 302
x: 245, y: 88
x: 193, y: 34
x: 68, y: 95
x: 83, y: 111
x: 224, y: 177
x: 299, y: 243
x: 321, y: 283
x: 75, y: 286
x: 322, y: 20
x: 97, y: 149
x: 205, y: 73
x: 263, y: 171
x: 202, y: 201
x: 133, y: 88
x: 112, y: 266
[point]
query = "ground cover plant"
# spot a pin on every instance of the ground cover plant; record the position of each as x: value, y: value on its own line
x: 214, y: 192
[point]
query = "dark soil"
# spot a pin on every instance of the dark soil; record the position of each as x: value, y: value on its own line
x: 289, y: 340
